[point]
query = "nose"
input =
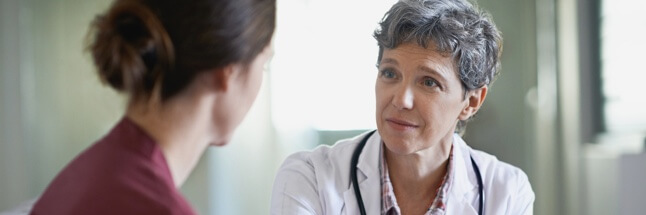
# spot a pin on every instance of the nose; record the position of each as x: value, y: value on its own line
x: 403, y: 98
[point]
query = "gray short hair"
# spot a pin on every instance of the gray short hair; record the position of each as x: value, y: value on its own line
x: 456, y: 27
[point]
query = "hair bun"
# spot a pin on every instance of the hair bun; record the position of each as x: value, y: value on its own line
x: 130, y: 47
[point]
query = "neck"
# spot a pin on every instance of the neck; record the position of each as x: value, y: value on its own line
x: 417, y: 176
x: 180, y: 127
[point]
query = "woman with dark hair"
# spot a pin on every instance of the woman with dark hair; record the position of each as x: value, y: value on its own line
x: 437, y: 59
x: 191, y: 70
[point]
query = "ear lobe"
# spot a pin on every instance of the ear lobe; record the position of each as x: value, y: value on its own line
x: 474, y: 101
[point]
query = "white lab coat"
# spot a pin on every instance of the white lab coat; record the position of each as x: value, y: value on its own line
x: 318, y: 182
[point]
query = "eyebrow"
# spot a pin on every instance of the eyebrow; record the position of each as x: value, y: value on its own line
x: 390, y: 61
x: 433, y: 71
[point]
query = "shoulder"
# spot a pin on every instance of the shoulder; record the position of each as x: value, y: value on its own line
x: 323, y: 158
x: 323, y: 161
x: 125, y: 203
x: 108, y: 180
x: 505, y: 183
x: 311, y: 182
x: 499, y: 172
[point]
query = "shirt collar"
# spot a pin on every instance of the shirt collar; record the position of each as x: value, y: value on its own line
x: 389, y: 204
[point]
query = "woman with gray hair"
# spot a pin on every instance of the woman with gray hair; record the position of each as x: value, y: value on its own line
x: 437, y: 59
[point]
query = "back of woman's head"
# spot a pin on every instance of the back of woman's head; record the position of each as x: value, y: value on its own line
x: 139, y: 44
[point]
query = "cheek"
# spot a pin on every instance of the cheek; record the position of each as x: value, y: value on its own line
x: 440, y: 114
x: 256, y: 82
x: 380, y: 104
x: 251, y: 91
x: 248, y: 93
x: 381, y: 97
x: 253, y: 81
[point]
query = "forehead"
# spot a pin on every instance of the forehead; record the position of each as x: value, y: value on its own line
x: 413, y: 55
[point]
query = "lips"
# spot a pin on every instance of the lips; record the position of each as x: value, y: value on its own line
x: 399, y: 124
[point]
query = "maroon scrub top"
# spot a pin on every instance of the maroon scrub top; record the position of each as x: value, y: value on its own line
x: 123, y: 173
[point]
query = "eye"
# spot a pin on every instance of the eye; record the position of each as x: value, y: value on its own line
x: 429, y: 82
x: 388, y: 74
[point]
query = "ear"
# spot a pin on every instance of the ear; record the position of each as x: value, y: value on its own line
x: 474, y: 100
x: 222, y: 77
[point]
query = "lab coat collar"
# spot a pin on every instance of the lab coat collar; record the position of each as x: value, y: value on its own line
x: 369, y: 178
x: 462, y: 192
x: 463, y: 189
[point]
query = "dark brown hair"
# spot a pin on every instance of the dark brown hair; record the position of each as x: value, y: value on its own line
x: 137, y: 44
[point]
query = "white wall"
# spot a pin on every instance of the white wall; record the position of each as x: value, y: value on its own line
x: 12, y: 164
x: 52, y: 103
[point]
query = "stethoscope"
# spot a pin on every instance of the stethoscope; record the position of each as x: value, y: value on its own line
x: 355, y: 181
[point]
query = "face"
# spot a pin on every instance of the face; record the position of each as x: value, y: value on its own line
x: 244, y: 86
x: 252, y: 79
x: 419, y: 98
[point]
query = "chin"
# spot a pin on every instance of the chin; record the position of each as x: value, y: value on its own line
x: 220, y: 143
x: 399, y: 147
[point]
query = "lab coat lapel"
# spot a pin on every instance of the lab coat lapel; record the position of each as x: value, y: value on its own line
x: 463, y: 189
x: 369, y: 179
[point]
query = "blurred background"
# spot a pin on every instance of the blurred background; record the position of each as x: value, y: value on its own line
x: 567, y: 108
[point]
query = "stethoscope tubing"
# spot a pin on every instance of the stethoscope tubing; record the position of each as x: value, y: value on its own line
x: 355, y: 181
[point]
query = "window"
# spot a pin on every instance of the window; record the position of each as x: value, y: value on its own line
x: 324, y: 67
x: 623, y: 28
